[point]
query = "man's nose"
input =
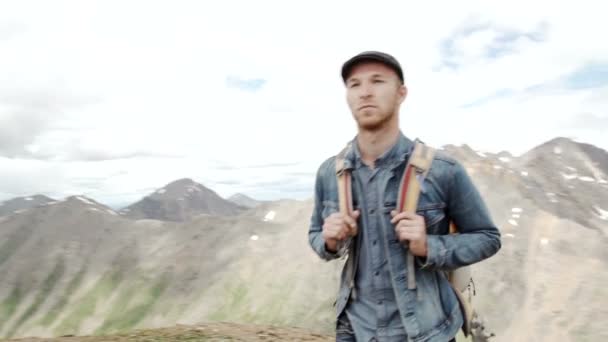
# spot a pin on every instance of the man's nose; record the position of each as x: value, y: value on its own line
x: 366, y: 90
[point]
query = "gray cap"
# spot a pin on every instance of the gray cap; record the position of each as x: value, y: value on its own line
x: 373, y: 56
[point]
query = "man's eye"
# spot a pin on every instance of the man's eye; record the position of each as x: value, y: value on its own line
x: 352, y: 85
x: 378, y: 81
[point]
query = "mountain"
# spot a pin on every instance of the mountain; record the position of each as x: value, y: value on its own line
x: 243, y: 201
x: 569, y: 180
x: 97, y: 272
x: 546, y: 283
x: 23, y: 203
x: 179, y: 201
x: 76, y: 267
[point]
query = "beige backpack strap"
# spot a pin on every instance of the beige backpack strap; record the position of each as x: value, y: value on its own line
x: 416, y: 170
x: 344, y: 179
x: 409, y: 191
x: 345, y: 199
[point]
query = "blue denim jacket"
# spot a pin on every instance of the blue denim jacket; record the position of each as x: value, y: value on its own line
x: 431, y: 311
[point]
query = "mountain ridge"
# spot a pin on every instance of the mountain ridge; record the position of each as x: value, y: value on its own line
x: 95, y: 272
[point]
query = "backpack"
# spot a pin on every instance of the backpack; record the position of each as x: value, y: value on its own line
x: 417, y: 168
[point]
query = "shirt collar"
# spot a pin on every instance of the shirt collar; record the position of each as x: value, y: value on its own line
x: 392, y: 157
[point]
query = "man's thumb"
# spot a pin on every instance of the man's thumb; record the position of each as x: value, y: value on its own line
x: 356, y: 214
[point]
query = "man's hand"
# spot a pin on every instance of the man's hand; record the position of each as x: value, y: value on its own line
x: 338, y: 227
x: 411, y: 227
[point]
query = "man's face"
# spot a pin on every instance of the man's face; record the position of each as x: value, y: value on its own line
x: 374, y: 94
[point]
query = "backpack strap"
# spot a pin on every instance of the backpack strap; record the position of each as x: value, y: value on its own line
x: 411, y: 184
x: 345, y: 205
x: 344, y: 178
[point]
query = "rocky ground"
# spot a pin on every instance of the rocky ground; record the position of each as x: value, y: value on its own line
x: 201, y: 332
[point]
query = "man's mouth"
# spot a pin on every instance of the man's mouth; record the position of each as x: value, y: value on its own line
x: 366, y: 107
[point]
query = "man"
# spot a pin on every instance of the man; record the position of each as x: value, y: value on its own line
x: 374, y: 302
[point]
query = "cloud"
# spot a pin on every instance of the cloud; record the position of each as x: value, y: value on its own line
x: 588, y: 121
x: 27, y: 114
x: 499, y: 94
x: 591, y: 75
x: 294, y: 187
x: 21, y: 177
x: 20, y: 130
x: 308, y: 174
x: 477, y: 41
x: 190, y: 98
x: 102, y: 155
x: 251, y: 85
x: 229, y: 182
x: 266, y: 166
x: 10, y: 30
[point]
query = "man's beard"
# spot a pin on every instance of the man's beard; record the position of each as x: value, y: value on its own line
x: 376, y: 124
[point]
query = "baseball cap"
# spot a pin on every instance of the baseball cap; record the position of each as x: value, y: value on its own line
x: 374, y: 56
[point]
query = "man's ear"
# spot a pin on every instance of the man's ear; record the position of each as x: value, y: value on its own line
x: 402, y: 93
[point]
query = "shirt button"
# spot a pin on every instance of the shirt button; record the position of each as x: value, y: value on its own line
x: 379, y: 302
x: 377, y: 273
x: 374, y: 242
x: 372, y: 211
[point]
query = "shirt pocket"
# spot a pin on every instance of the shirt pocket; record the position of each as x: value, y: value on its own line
x: 433, y: 214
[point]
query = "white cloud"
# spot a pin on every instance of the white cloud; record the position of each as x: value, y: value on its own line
x: 149, y: 79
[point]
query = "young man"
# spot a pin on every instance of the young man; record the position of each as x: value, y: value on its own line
x: 374, y: 301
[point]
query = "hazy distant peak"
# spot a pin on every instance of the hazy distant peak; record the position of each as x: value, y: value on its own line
x: 19, y: 204
x: 244, y: 200
x: 180, y: 200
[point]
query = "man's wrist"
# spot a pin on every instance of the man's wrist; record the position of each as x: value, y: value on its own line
x: 331, y: 246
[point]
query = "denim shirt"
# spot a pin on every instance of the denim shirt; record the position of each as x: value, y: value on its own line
x: 374, y: 313
x: 431, y: 311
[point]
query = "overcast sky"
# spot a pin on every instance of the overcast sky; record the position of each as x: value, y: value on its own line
x: 114, y: 99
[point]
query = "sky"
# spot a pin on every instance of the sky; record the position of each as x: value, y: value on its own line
x: 115, y: 99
